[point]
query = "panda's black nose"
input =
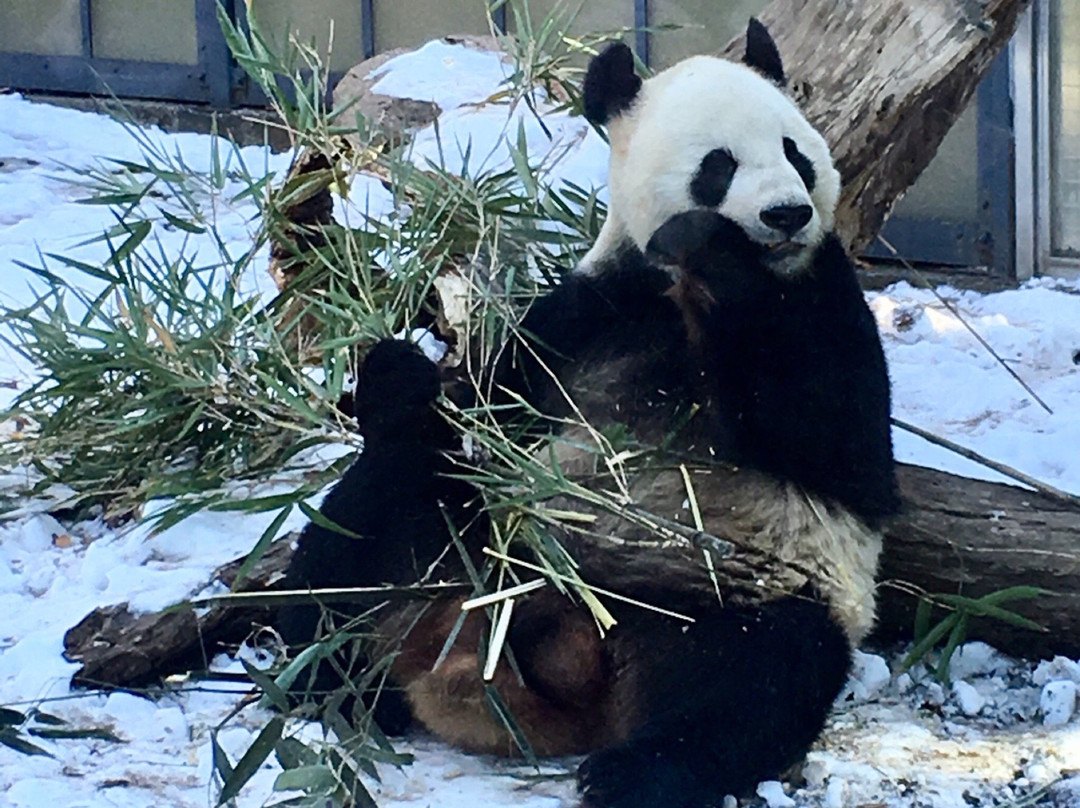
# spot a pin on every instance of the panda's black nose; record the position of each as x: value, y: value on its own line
x: 788, y: 219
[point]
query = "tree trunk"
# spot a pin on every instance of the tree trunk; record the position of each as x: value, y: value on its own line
x: 955, y: 535
x: 883, y: 81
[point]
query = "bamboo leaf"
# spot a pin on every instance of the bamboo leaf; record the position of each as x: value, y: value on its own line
x: 9, y: 717
x: 183, y: 224
x: 292, y: 753
x: 252, y: 759
x: 317, y: 778
x: 932, y: 638
x: 138, y: 233
x: 324, y: 522
x: 956, y: 636
x: 96, y: 733
x: 922, y: 618
x: 274, y: 694
x: 258, y: 551
x: 12, y: 740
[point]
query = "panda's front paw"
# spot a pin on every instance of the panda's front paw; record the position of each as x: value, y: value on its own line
x: 696, y: 241
x: 638, y: 774
x: 396, y: 379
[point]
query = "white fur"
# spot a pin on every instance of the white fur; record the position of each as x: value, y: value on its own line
x: 829, y: 548
x: 683, y: 113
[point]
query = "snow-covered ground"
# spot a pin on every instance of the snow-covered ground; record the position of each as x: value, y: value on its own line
x: 1002, y: 731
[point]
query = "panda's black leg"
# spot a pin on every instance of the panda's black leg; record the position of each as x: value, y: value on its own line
x: 736, y: 698
x: 390, y: 503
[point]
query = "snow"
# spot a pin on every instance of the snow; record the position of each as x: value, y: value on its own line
x: 1057, y: 702
x: 1001, y: 730
x: 946, y: 383
x: 869, y: 673
x: 772, y: 791
x: 968, y: 699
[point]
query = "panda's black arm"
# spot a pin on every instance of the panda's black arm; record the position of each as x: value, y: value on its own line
x: 811, y: 398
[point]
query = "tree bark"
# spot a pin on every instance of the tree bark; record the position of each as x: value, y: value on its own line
x: 955, y: 536
x: 119, y: 649
x: 884, y: 81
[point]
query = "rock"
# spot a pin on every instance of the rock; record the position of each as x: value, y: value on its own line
x: 835, y: 794
x: 1057, y: 702
x: 394, y: 117
x: 976, y: 659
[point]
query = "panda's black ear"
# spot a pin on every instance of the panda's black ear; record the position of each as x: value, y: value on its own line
x: 762, y: 54
x: 610, y: 83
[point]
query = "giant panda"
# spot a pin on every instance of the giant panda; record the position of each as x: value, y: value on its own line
x: 719, y: 316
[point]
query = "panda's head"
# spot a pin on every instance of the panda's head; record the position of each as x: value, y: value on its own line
x: 708, y: 133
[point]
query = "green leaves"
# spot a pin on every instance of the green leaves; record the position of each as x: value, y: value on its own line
x: 236, y: 777
x: 953, y: 628
x: 15, y: 725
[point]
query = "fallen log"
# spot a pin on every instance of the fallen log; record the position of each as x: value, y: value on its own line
x: 119, y: 649
x: 955, y: 536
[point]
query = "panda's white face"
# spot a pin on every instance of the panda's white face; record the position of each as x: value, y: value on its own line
x: 709, y: 133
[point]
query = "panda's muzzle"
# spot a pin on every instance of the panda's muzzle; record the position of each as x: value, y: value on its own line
x: 787, y: 219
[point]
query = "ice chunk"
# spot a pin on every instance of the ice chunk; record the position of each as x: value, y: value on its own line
x: 1057, y: 702
x: 968, y: 699
x: 772, y: 791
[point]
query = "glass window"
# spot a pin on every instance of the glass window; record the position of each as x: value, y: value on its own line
x: 1064, y: 90
x: 410, y: 23
x: 145, y: 30
x: 47, y: 27
x: 708, y: 27
x: 314, y: 20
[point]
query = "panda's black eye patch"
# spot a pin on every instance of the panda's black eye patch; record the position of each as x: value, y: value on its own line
x: 713, y: 177
x: 801, y: 163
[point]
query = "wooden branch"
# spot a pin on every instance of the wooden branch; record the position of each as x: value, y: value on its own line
x: 119, y: 649
x: 956, y: 535
x: 884, y: 81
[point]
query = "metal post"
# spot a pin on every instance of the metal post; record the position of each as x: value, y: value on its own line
x: 86, y: 23
x: 997, y: 218
x: 1023, y: 97
x: 215, y: 61
x: 367, y: 27
x: 641, y: 21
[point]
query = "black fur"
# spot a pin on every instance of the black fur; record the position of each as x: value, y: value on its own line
x: 713, y: 178
x: 762, y: 54
x: 736, y: 698
x: 620, y: 312
x: 796, y: 377
x: 610, y: 84
x: 802, y: 164
x: 790, y: 373
x: 389, y: 497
